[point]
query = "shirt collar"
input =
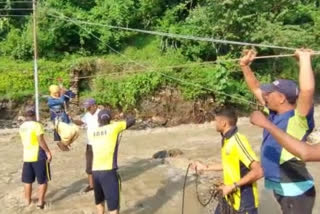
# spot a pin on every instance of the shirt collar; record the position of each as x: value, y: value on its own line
x: 230, y: 133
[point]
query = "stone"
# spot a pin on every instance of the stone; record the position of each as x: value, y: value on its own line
x: 172, y: 153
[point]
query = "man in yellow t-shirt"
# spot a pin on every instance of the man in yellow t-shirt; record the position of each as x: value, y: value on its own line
x: 104, y: 140
x: 240, y: 166
x: 36, y: 157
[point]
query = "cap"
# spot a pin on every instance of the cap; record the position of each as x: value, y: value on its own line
x: 89, y: 102
x: 104, y: 114
x: 287, y: 87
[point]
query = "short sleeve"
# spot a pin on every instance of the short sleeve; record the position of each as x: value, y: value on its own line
x: 119, y: 126
x: 302, y: 121
x: 266, y: 110
x: 39, y: 129
x: 244, y: 149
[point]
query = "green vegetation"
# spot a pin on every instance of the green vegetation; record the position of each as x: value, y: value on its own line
x: 65, y: 45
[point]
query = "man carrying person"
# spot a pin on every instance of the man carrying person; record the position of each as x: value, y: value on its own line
x: 36, y: 157
x: 240, y: 167
x: 292, y: 112
x: 105, y: 146
x: 90, y: 120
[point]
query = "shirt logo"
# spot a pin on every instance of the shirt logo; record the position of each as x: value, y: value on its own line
x: 100, y: 133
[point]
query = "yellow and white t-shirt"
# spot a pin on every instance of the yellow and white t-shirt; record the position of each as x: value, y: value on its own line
x: 29, y: 132
x: 104, y: 141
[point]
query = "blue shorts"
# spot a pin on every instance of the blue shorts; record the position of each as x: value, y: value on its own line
x: 107, y: 186
x: 33, y: 170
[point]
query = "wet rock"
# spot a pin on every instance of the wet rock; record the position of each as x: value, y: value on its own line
x: 161, y: 154
x: 175, y: 152
x: 167, y: 153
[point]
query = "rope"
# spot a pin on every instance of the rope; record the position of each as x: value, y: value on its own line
x: 13, y: 2
x: 150, y: 69
x: 180, y: 66
x: 78, y: 23
x: 168, y: 76
x: 172, y: 35
x: 215, y: 194
x: 184, y: 188
x: 209, y: 89
x: 17, y: 9
x: 14, y: 15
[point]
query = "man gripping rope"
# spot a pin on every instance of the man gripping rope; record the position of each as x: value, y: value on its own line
x: 299, y: 148
x: 291, y: 111
x: 240, y: 167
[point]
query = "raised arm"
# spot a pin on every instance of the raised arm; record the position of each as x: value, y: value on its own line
x: 306, y: 82
x: 298, y: 148
x: 130, y: 122
x: 249, y: 76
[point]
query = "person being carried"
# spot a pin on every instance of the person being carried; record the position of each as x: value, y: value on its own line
x: 90, y: 120
x: 57, y: 103
x: 36, y: 157
x: 292, y: 112
x: 104, y: 140
x: 240, y: 166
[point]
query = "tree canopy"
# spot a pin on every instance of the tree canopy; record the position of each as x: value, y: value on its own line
x: 290, y: 23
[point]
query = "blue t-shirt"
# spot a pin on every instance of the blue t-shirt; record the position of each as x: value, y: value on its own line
x: 284, y: 173
x: 56, y: 106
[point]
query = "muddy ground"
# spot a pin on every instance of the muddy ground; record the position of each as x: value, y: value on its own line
x: 149, y: 186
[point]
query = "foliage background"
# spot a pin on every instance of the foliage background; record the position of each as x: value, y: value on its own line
x: 64, y: 46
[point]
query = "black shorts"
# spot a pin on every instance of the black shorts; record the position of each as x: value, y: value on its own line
x: 297, y: 204
x: 107, y: 186
x: 33, y: 170
x: 225, y: 208
x: 89, y: 159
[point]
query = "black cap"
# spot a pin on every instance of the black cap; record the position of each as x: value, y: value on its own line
x: 287, y: 87
x: 104, y: 115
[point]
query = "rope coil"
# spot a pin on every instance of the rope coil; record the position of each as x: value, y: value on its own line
x: 215, y: 194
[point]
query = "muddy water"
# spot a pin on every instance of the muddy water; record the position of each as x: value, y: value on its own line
x: 148, y: 186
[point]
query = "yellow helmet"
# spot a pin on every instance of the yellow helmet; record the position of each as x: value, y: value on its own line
x: 54, y: 89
